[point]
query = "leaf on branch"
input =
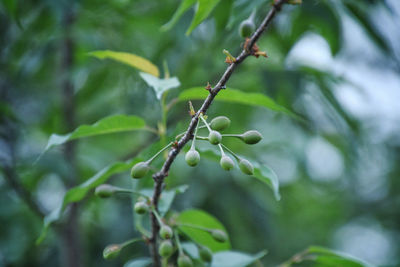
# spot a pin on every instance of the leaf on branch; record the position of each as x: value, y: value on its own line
x: 185, y: 5
x: 326, y: 257
x: 235, y: 259
x: 160, y: 86
x: 202, y: 219
x: 236, y: 96
x: 111, y: 124
x: 202, y: 11
x: 132, y: 60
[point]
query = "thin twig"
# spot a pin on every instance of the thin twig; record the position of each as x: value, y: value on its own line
x: 160, y: 176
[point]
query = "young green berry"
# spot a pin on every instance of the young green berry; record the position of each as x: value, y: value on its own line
x: 219, y: 235
x: 140, y: 169
x: 166, y: 232
x: 104, y: 190
x: 141, y: 207
x: 220, y: 123
x: 246, y: 28
x: 192, y: 157
x: 246, y: 167
x: 226, y: 163
x: 214, y: 137
x: 165, y: 249
x: 111, y: 251
x: 205, y: 254
x: 251, y: 137
x: 184, y: 261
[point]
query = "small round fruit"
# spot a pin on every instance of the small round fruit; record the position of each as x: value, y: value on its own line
x: 220, y: 123
x: 251, y: 137
x: 104, y: 191
x: 226, y: 163
x: 205, y: 254
x: 166, y: 232
x: 246, y: 167
x: 141, y: 207
x: 246, y: 28
x: 219, y: 235
x: 192, y: 157
x: 140, y: 169
x: 214, y: 137
x: 165, y: 248
x: 184, y: 261
x: 111, y: 251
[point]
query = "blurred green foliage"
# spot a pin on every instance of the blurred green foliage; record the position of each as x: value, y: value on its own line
x: 338, y: 169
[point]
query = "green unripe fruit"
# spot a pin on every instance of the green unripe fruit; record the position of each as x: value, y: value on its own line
x: 165, y: 248
x: 141, y: 207
x: 104, y: 190
x: 246, y: 28
x: 184, y: 261
x: 214, y: 137
x: 111, y: 251
x: 166, y: 232
x: 246, y: 167
x: 226, y: 163
x: 192, y: 157
x: 219, y: 235
x: 251, y: 137
x: 205, y: 254
x: 140, y: 169
x: 220, y: 123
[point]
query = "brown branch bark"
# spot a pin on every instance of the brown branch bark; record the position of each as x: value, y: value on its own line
x: 160, y: 176
x: 71, y: 242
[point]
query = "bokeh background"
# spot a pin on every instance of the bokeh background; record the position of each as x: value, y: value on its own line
x: 335, y: 63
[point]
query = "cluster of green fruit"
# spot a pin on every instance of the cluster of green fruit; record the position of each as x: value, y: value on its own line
x: 167, y: 246
x: 192, y: 157
x: 217, y: 125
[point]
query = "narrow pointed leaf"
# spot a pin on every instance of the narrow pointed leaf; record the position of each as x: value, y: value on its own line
x: 111, y: 124
x: 185, y: 5
x: 204, y: 9
x: 132, y: 60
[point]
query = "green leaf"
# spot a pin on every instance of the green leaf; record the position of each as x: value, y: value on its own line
x: 167, y: 197
x: 204, y: 8
x: 185, y: 5
x: 141, y: 262
x: 235, y: 259
x: 202, y: 219
x: 236, y: 96
x: 111, y: 124
x: 266, y: 175
x: 262, y: 172
x: 129, y: 59
x: 77, y: 193
x: 329, y: 257
x: 160, y: 86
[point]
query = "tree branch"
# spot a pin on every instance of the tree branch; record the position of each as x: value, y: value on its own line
x: 160, y: 176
